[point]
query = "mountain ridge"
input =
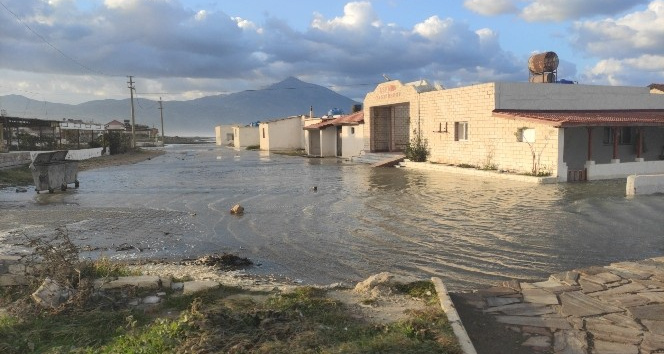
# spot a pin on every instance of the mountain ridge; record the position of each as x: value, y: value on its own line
x: 199, y: 116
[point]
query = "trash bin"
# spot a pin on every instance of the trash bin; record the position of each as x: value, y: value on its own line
x: 71, y: 167
x: 50, y: 170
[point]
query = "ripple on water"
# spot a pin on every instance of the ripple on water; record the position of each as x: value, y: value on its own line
x: 470, y: 231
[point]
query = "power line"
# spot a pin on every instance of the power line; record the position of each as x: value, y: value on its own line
x: 53, y: 46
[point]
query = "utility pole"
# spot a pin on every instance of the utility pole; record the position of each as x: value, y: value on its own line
x: 131, y: 92
x: 161, y: 113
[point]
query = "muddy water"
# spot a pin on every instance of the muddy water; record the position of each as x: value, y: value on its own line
x: 469, y: 231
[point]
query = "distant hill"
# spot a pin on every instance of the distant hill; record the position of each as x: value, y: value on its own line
x: 195, y: 117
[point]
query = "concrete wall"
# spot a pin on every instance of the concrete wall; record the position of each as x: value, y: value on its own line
x: 223, y: 134
x: 283, y: 134
x: 492, y: 142
x: 521, y: 95
x: 328, y: 142
x: 305, y: 133
x: 623, y: 169
x: 352, y: 140
x: 14, y: 159
x: 313, y: 142
x: 245, y: 136
x: 644, y: 184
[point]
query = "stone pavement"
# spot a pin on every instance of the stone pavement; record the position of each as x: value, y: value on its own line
x: 613, y: 309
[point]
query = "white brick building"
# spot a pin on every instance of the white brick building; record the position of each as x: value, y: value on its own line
x: 568, y: 131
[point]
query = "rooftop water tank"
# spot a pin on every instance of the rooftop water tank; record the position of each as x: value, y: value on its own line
x: 543, y: 62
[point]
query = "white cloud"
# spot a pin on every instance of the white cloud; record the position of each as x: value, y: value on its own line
x: 561, y: 10
x: 121, y: 4
x: 201, y: 15
x: 162, y: 41
x: 635, y: 33
x: 356, y: 15
x: 491, y: 7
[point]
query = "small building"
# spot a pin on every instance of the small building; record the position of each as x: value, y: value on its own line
x: 224, y: 134
x: 567, y: 131
x: 283, y: 134
x: 245, y: 136
x: 114, y: 125
x: 342, y: 136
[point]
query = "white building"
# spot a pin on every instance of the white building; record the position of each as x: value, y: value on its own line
x: 283, y: 134
x: 245, y: 136
x: 566, y: 131
x: 224, y: 134
x: 342, y: 136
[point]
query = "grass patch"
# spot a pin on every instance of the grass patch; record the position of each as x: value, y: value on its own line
x: 298, y: 152
x: 220, y: 320
x: 465, y: 165
x: 231, y: 320
x: 253, y: 147
x: 105, y: 268
x: 61, y: 333
x: 17, y: 176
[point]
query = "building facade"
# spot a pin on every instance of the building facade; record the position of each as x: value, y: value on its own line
x: 224, y: 134
x: 245, y: 136
x: 341, y: 137
x: 567, y: 131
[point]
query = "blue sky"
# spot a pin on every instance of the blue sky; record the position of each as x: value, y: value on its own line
x: 73, y: 51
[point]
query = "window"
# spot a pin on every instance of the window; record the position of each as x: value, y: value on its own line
x: 525, y: 135
x: 263, y: 133
x: 352, y: 130
x: 460, y: 131
x: 625, y: 136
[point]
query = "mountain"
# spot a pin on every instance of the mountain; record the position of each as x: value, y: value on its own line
x: 195, y: 117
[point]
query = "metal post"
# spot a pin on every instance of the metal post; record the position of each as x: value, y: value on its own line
x: 161, y: 114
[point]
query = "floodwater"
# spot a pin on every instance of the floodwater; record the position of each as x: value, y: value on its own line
x: 470, y: 231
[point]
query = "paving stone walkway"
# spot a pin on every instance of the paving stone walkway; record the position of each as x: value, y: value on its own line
x: 613, y: 309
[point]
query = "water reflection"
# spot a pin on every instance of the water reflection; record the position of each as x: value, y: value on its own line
x: 362, y: 220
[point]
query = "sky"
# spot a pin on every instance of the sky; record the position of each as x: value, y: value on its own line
x: 73, y: 51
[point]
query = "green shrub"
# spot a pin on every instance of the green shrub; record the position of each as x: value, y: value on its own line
x: 418, y: 149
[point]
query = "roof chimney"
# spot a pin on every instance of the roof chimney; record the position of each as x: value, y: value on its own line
x: 311, y: 111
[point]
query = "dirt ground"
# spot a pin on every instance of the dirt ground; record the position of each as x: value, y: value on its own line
x: 117, y: 160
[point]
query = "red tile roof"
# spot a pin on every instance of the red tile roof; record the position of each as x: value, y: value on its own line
x: 350, y: 119
x: 587, y: 118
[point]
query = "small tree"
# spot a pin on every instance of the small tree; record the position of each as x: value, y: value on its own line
x: 536, y: 155
x: 417, y: 149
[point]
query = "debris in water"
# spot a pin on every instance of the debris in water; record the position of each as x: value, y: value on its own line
x: 237, y: 209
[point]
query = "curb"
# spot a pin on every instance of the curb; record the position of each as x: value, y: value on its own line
x: 453, y: 317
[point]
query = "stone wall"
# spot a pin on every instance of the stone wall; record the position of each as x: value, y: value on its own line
x: 12, y: 270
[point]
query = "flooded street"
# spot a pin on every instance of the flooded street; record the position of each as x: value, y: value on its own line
x: 470, y: 231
